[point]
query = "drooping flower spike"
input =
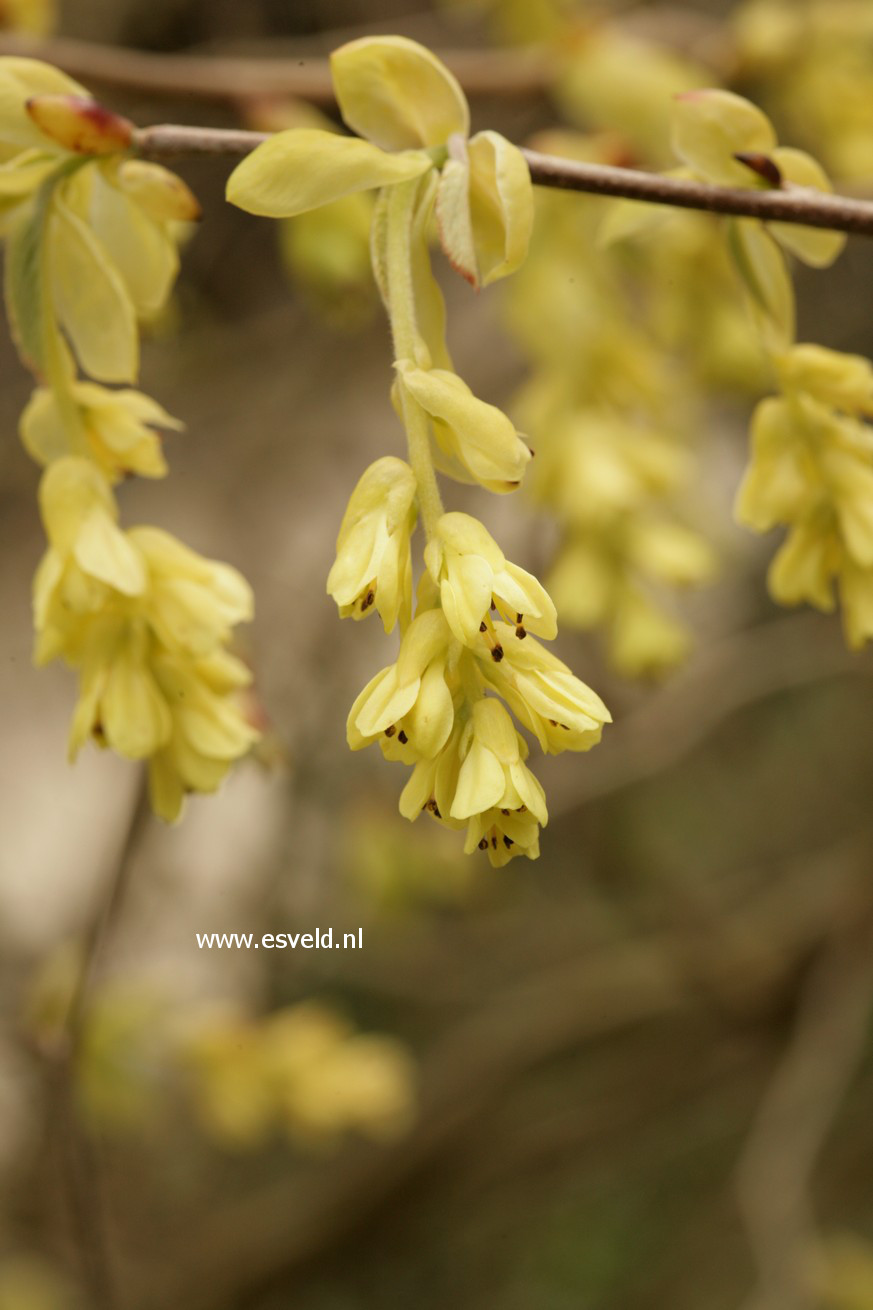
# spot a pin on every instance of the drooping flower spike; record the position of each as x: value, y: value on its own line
x: 438, y: 707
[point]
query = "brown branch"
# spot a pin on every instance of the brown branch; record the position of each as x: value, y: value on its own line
x: 230, y: 79
x: 799, y: 205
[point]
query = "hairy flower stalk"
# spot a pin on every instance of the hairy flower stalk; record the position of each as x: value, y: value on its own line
x: 441, y: 706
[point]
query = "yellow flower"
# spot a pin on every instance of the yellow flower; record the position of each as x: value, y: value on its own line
x: 479, y: 441
x: 493, y: 773
x: 503, y: 836
x: 114, y: 428
x: 373, y: 569
x: 209, y: 729
x: 544, y: 694
x: 473, y: 574
x: 193, y: 603
x: 409, y: 700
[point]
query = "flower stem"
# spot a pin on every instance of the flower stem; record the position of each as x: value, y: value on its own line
x: 404, y: 329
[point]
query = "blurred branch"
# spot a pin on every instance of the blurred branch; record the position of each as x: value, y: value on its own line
x: 790, y: 205
x: 798, y: 1111
x: 233, y: 79
x: 721, y: 680
x: 80, y: 1163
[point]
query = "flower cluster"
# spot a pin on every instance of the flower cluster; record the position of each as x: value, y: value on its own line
x: 303, y: 1070
x: 812, y: 470
x: 812, y: 453
x: 467, y: 649
x: 607, y: 407
x: 92, y: 250
x: 724, y: 139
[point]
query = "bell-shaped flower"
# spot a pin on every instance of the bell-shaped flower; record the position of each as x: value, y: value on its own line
x: 193, y: 603
x: 805, y: 564
x: 373, y: 568
x: 845, y: 382
x: 209, y: 728
x: 120, y: 702
x: 484, y: 207
x: 473, y: 575
x: 410, y: 699
x: 544, y: 694
x: 493, y: 773
x: 502, y: 835
x: 117, y: 429
x: 81, y: 521
x: 479, y: 440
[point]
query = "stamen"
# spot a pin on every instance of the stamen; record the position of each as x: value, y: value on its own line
x: 483, y: 627
x: 368, y: 600
x: 483, y: 845
x: 521, y: 632
x: 507, y: 842
x: 402, y: 737
x: 497, y: 653
x: 390, y: 731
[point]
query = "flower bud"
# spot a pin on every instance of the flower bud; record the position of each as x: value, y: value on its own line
x: 80, y: 124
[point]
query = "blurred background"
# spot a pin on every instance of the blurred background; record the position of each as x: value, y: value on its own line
x: 633, y: 1075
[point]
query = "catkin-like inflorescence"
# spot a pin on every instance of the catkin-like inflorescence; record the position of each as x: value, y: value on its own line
x: 467, y: 652
x: 91, y: 250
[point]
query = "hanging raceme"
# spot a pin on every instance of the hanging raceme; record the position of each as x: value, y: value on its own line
x: 812, y: 451
x: 92, y: 249
x: 436, y: 708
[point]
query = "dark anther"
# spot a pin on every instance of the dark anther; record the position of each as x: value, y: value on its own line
x: 564, y: 726
x: 493, y: 605
x: 494, y: 843
x: 497, y: 654
x: 483, y: 845
x: 521, y: 632
x: 518, y: 618
x: 507, y: 842
x: 504, y: 811
x: 402, y: 737
x: 368, y: 600
x: 553, y: 722
x: 436, y: 811
x: 483, y: 627
x: 389, y: 732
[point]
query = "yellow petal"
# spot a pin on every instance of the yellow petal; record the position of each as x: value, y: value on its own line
x: 104, y: 552
x: 134, y: 714
x: 396, y: 93
x: 303, y: 168
x: 481, y: 783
